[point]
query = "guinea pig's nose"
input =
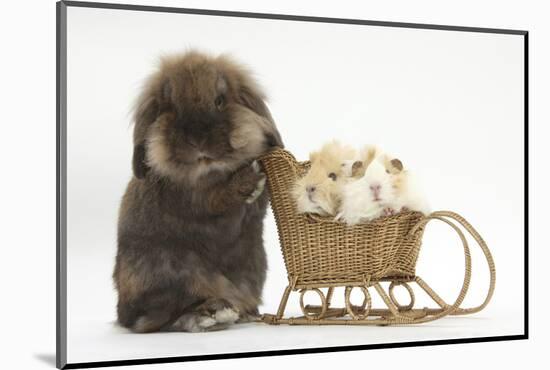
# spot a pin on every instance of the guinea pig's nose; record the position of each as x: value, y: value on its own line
x: 376, y: 187
x: 310, y: 189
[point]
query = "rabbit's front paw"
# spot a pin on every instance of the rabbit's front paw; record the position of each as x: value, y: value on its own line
x: 250, y: 182
x: 260, y: 186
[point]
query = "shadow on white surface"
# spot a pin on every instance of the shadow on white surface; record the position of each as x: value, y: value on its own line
x: 46, y: 358
x: 95, y: 341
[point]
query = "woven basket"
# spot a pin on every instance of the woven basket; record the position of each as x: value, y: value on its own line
x: 319, y: 251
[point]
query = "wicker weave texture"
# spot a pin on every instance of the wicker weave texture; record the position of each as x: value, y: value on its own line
x: 320, y: 251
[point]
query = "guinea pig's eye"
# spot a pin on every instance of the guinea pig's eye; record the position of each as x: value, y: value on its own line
x: 333, y: 176
x: 387, y: 171
x: 220, y: 101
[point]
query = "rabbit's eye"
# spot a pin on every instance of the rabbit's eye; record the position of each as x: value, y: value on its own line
x: 220, y: 101
x: 333, y: 176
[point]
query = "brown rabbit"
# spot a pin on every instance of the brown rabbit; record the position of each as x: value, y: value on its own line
x: 190, y: 248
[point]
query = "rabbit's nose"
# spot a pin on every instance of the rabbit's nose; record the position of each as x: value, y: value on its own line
x: 310, y: 189
x: 196, y: 143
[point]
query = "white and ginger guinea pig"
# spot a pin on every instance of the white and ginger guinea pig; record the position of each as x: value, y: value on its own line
x: 318, y: 191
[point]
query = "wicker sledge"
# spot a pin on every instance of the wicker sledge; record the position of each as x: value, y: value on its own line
x: 322, y: 253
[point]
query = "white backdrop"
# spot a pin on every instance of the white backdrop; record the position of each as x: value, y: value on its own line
x: 449, y: 104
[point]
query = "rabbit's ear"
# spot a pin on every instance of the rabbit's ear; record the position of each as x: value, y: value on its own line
x: 146, y: 112
x: 252, y: 98
x: 139, y: 165
x: 249, y: 94
x: 155, y: 95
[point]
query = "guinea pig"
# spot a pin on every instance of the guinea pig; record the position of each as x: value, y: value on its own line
x: 385, y: 188
x: 190, y: 253
x: 369, y: 197
x: 318, y: 191
x: 408, y: 192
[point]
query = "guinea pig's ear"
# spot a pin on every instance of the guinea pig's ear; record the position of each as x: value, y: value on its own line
x: 139, y: 165
x: 252, y: 98
x: 396, y: 165
x: 356, y: 168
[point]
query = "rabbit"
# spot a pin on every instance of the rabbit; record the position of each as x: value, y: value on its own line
x: 190, y: 254
x: 318, y: 191
x: 368, y: 197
